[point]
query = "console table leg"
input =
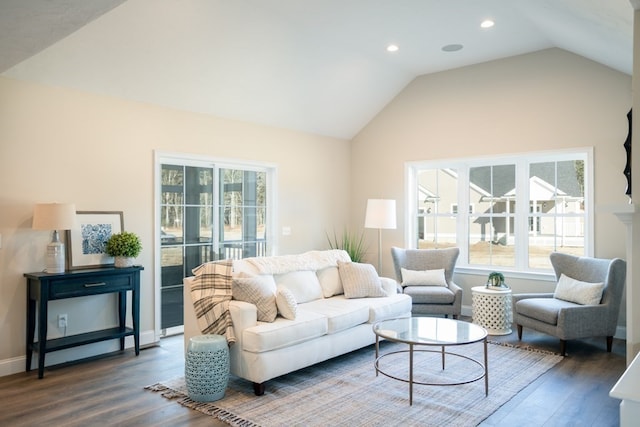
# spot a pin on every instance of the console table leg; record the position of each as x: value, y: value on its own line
x: 42, y: 335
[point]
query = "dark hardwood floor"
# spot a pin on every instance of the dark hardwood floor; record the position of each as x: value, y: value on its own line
x: 108, y: 391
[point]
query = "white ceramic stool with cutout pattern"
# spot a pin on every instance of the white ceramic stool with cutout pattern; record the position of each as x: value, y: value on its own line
x: 492, y: 309
x: 207, y: 367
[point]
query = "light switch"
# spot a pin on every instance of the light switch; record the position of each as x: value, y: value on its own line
x: 286, y: 231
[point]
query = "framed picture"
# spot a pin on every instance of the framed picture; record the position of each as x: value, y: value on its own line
x: 86, y: 242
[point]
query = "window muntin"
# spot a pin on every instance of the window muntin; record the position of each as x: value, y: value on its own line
x: 207, y: 212
x: 507, y: 224
x: 556, y: 210
x: 436, y: 221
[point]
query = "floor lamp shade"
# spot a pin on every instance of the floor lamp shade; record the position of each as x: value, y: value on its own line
x: 381, y: 213
x: 54, y: 217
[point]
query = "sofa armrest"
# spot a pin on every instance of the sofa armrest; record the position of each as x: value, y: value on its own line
x: 390, y: 286
x: 243, y: 315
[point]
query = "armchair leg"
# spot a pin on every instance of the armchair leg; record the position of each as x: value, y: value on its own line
x: 563, y: 348
x: 609, y: 344
x: 519, y: 332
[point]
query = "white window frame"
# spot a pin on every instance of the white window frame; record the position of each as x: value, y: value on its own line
x: 193, y: 160
x: 463, y: 165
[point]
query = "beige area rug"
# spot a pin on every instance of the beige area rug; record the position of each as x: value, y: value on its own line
x: 346, y: 390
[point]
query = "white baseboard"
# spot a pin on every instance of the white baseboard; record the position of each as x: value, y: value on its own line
x: 16, y: 365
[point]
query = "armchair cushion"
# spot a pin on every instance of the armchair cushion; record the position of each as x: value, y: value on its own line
x: 430, y: 294
x: 577, y: 291
x: 423, y: 277
x: 543, y: 309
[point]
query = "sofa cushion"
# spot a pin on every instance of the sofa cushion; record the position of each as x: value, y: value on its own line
x: 544, y: 309
x: 260, y: 291
x: 396, y: 305
x: 304, y: 285
x: 286, y: 303
x: 430, y: 294
x: 283, y: 333
x: 423, y: 277
x: 583, y: 293
x: 341, y: 313
x: 330, y: 281
x: 360, y: 280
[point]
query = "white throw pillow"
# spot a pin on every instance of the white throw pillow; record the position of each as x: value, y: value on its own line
x: 286, y: 303
x: 304, y: 285
x: 330, y: 281
x: 423, y: 277
x: 360, y: 280
x: 573, y: 290
x: 260, y: 291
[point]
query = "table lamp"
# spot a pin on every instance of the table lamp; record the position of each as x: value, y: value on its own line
x: 54, y: 217
x: 381, y: 213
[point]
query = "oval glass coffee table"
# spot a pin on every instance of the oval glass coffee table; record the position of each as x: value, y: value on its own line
x: 431, y: 332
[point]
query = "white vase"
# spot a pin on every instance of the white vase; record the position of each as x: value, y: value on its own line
x: 123, y: 261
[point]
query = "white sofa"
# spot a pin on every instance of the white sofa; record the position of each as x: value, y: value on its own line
x: 328, y: 325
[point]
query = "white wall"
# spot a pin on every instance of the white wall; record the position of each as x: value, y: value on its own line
x: 62, y: 145
x: 58, y: 144
x: 542, y: 101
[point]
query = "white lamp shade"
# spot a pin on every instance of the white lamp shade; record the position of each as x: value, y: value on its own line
x: 381, y: 213
x: 54, y: 216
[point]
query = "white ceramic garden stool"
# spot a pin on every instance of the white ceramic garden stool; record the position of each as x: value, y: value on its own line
x: 207, y: 367
x: 492, y: 309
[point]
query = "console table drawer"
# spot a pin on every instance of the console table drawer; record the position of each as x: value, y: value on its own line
x: 89, y: 286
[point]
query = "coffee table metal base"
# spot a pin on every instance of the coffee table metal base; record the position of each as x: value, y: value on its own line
x: 443, y: 353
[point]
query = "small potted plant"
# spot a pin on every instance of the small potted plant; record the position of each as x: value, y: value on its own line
x: 124, y: 247
x: 496, y: 280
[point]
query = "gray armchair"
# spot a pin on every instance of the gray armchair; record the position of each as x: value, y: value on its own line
x: 445, y: 300
x: 567, y: 320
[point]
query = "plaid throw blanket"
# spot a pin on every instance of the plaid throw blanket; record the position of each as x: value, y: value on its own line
x: 211, y: 293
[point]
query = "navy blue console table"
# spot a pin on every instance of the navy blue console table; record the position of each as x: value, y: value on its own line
x: 44, y: 287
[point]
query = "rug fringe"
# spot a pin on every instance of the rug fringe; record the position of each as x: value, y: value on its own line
x: 207, y: 408
x: 525, y: 347
x: 221, y: 414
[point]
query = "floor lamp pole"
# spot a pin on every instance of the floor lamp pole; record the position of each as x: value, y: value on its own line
x: 379, y: 251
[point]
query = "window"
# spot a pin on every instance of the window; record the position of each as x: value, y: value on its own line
x: 206, y: 211
x: 508, y: 213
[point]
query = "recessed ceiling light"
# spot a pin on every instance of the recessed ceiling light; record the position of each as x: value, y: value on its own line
x: 392, y: 48
x: 452, y: 47
x: 487, y: 23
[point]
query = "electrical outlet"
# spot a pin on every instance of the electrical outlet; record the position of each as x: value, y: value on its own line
x: 62, y: 320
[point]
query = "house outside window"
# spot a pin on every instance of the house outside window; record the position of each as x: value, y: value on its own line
x: 207, y: 210
x: 520, y: 208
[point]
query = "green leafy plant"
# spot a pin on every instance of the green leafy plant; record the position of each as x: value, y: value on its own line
x: 124, y: 244
x: 352, y: 243
x: 496, y: 279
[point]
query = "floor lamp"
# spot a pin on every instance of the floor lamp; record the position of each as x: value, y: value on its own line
x: 381, y: 213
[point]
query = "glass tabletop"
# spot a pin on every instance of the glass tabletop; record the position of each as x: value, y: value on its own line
x: 429, y: 331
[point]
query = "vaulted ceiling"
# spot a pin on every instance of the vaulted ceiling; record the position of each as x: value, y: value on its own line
x: 318, y: 66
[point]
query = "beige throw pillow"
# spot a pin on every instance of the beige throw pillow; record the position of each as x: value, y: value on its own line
x: 286, y: 303
x: 423, y: 277
x: 583, y: 293
x: 360, y: 280
x: 260, y: 291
